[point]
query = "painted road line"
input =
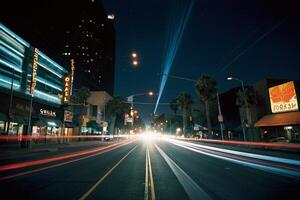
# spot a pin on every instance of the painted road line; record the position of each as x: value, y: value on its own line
x: 146, y: 194
x: 59, y: 164
x: 92, y: 189
x: 57, y: 158
x: 272, y: 169
x: 151, y: 176
x: 239, y: 153
x: 189, y: 185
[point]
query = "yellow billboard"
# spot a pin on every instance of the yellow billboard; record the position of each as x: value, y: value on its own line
x: 283, y: 98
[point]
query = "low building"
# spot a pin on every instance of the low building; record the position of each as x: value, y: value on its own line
x: 91, y: 117
x: 31, y: 88
x: 278, y: 109
x: 274, y: 114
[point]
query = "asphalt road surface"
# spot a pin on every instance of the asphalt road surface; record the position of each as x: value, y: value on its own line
x: 149, y: 169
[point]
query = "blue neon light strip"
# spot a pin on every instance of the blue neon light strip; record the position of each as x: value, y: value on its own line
x: 14, y: 35
x: 12, y: 49
x: 52, y: 62
x: 42, y: 95
x: 41, y: 80
x: 10, y: 65
x: 6, y: 82
x: 50, y: 70
x: 11, y: 41
x: 12, y: 55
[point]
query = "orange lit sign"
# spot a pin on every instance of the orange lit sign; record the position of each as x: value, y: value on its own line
x: 67, y: 89
x: 72, y: 75
x: 283, y: 98
x: 34, y: 70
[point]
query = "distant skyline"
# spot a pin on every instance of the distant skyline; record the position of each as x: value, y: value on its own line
x: 260, y: 38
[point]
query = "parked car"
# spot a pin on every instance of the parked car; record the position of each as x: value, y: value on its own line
x: 279, y: 139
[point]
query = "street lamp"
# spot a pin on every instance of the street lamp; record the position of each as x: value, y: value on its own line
x: 230, y: 78
x: 134, y: 55
x: 131, y: 97
x: 135, y: 63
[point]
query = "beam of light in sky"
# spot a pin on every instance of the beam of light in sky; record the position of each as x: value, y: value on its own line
x: 174, y: 41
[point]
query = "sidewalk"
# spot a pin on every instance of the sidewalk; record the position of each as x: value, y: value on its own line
x: 14, y: 149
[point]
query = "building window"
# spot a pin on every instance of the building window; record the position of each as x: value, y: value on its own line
x: 93, y: 109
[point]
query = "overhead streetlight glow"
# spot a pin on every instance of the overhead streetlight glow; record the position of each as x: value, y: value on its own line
x: 134, y: 55
x: 229, y: 78
x: 135, y: 63
x: 111, y: 16
x: 151, y: 93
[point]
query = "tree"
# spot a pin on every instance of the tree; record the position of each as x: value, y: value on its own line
x: 185, y: 102
x: 174, y: 105
x: 246, y: 101
x: 82, y: 95
x: 114, y: 107
x: 206, y: 88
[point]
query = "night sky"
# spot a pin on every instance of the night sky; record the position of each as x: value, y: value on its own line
x: 261, y: 37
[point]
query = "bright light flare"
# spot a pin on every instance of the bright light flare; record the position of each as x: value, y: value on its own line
x: 134, y: 55
x: 135, y: 63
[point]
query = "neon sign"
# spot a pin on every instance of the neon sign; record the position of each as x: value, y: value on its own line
x: 34, y: 70
x: 67, y: 89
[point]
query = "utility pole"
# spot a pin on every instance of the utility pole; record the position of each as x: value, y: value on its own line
x: 10, y: 101
x: 220, y: 117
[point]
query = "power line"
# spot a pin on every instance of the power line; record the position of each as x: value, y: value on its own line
x: 251, y: 45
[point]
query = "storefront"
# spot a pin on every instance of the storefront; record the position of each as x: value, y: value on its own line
x: 46, y: 119
x: 284, y: 122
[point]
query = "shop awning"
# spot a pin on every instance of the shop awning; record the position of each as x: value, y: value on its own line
x: 48, y: 122
x: 94, y: 125
x: 71, y: 124
x: 281, y: 119
x: 3, y: 117
x: 19, y: 119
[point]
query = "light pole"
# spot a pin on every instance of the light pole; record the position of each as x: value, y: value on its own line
x: 220, y: 117
x: 245, y: 102
x: 10, y: 101
x: 131, y: 97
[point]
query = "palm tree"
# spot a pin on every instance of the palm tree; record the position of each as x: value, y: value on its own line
x: 246, y: 100
x: 206, y: 88
x: 185, y: 102
x: 81, y: 95
x: 116, y: 106
x: 174, y: 105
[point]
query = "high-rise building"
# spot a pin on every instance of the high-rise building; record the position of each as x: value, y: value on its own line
x: 65, y: 30
x: 91, y: 42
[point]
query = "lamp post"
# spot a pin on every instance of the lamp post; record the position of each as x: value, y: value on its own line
x: 245, y: 102
x: 131, y: 97
x: 220, y: 117
x: 10, y: 101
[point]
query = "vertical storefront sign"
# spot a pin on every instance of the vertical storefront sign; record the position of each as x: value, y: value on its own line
x: 67, y: 90
x: 34, y: 70
x: 72, y: 75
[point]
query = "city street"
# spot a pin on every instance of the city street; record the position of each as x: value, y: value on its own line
x: 149, y: 168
